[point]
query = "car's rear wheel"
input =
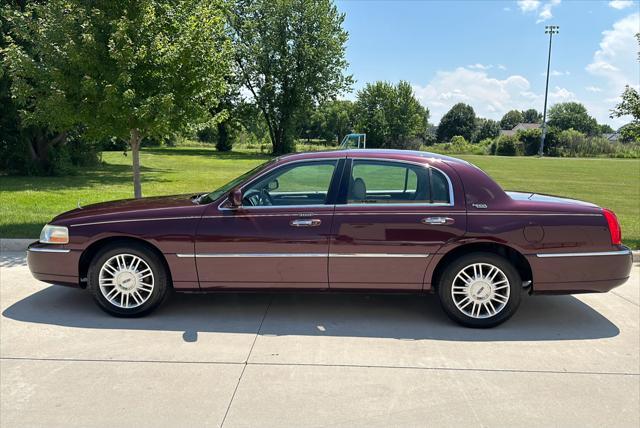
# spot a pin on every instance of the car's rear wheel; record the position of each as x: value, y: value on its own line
x: 127, y: 280
x: 480, y: 290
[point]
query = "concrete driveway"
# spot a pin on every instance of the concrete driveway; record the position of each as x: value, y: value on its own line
x: 314, y: 360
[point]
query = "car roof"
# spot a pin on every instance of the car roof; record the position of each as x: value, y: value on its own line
x: 406, y: 155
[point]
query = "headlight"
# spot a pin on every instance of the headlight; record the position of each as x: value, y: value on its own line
x: 54, y: 235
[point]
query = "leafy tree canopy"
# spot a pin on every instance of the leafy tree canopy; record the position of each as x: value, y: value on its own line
x: 290, y: 55
x: 390, y: 114
x: 531, y: 116
x: 460, y: 120
x: 486, y: 128
x: 119, y: 68
x: 629, y: 106
x: 572, y: 115
x: 511, y: 119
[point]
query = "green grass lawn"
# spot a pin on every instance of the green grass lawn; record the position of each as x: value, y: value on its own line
x: 26, y: 203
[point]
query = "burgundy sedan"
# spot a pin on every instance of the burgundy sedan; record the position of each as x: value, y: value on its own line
x: 358, y: 220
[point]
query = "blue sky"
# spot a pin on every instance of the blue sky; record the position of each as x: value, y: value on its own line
x: 492, y: 54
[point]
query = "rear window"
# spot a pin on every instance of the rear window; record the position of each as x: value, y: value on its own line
x: 388, y: 182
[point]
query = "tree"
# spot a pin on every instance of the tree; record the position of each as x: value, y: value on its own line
x: 629, y: 105
x: 339, y: 118
x: 531, y: 116
x: 572, y: 115
x: 290, y: 55
x: 330, y: 121
x: 485, y: 128
x: 120, y: 69
x: 460, y: 120
x: 24, y: 149
x: 603, y: 128
x: 390, y: 115
x: 511, y: 119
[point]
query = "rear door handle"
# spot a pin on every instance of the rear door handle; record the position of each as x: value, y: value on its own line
x: 434, y: 221
x: 307, y: 222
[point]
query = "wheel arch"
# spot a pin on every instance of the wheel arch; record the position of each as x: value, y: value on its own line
x: 90, y: 252
x: 511, y: 254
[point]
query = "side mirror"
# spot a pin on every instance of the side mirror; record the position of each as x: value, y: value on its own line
x: 236, y: 198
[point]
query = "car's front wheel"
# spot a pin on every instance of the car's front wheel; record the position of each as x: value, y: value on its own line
x: 127, y: 280
x: 480, y: 290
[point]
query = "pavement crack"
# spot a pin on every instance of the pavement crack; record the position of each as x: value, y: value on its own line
x: 354, y: 366
x: 246, y: 362
x: 624, y: 298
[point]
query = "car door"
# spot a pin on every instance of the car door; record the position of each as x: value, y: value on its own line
x: 279, y: 237
x: 391, y: 217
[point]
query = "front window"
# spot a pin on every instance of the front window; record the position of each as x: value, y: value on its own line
x: 386, y: 182
x: 233, y: 183
x: 304, y: 183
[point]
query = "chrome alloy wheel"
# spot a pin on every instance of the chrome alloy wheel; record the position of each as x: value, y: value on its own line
x: 480, y: 290
x: 126, y: 281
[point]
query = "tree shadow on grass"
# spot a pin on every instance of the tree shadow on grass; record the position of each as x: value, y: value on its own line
x: 210, y: 153
x: 102, y: 175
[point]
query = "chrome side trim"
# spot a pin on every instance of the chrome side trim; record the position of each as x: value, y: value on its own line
x: 601, y: 253
x: 273, y: 255
x: 133, y: 220
x: 534, y: 214
x: 418, y: 213
x: 286, y: 214
x: 251, y: 255
x: 48, y: 250
x: 411, y: 255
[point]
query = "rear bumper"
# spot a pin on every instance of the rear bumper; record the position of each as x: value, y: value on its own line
x: 582, y: 272
x: 54, y: 264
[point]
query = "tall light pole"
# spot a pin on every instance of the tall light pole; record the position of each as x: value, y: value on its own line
x: 550, y: 30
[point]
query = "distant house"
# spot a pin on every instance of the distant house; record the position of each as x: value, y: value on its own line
x: 520, y: 127
x: 613, y: 137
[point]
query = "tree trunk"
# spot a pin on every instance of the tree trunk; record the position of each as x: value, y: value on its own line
x: 134, y: 142
x: 40, y: 143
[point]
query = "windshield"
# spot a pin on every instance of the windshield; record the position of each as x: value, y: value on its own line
x: 210, y: 197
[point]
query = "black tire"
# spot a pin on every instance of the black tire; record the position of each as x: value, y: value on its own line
x: 160, y: 279
x: 484, y: 318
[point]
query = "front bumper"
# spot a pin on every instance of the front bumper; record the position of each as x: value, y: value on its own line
x: 54, y: 264
x: 568, y: 273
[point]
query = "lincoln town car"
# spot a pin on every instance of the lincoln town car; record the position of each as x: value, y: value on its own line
x: 345, y: 221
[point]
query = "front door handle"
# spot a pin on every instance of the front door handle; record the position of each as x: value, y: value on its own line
x: 307, y: 222
x: 434, y: 221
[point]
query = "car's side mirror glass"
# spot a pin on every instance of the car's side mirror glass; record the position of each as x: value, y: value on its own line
x: 273, y: 185
x: 236, y: 198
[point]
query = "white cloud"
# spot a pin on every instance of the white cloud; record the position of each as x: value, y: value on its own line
x: 478, y: 66
x: 506, y: 9
x: 615, y: 62
x: 593, y: 89
x: 615, y: 65
x: 545, y: 13
x: 543, y: 10
x: 620, y: 4
x: 556, y: 73
x: 501, y: 67
x: 528, y: 5
x: 490, y: 97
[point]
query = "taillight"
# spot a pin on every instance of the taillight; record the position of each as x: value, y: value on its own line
x: 614, y: 226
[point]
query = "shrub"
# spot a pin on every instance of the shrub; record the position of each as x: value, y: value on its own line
x: 508, y: 145
x: 460, y: 146
x: 61, y: 159
x: 403, y: 143
x: 207, y: 135
x: 530, y: 139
